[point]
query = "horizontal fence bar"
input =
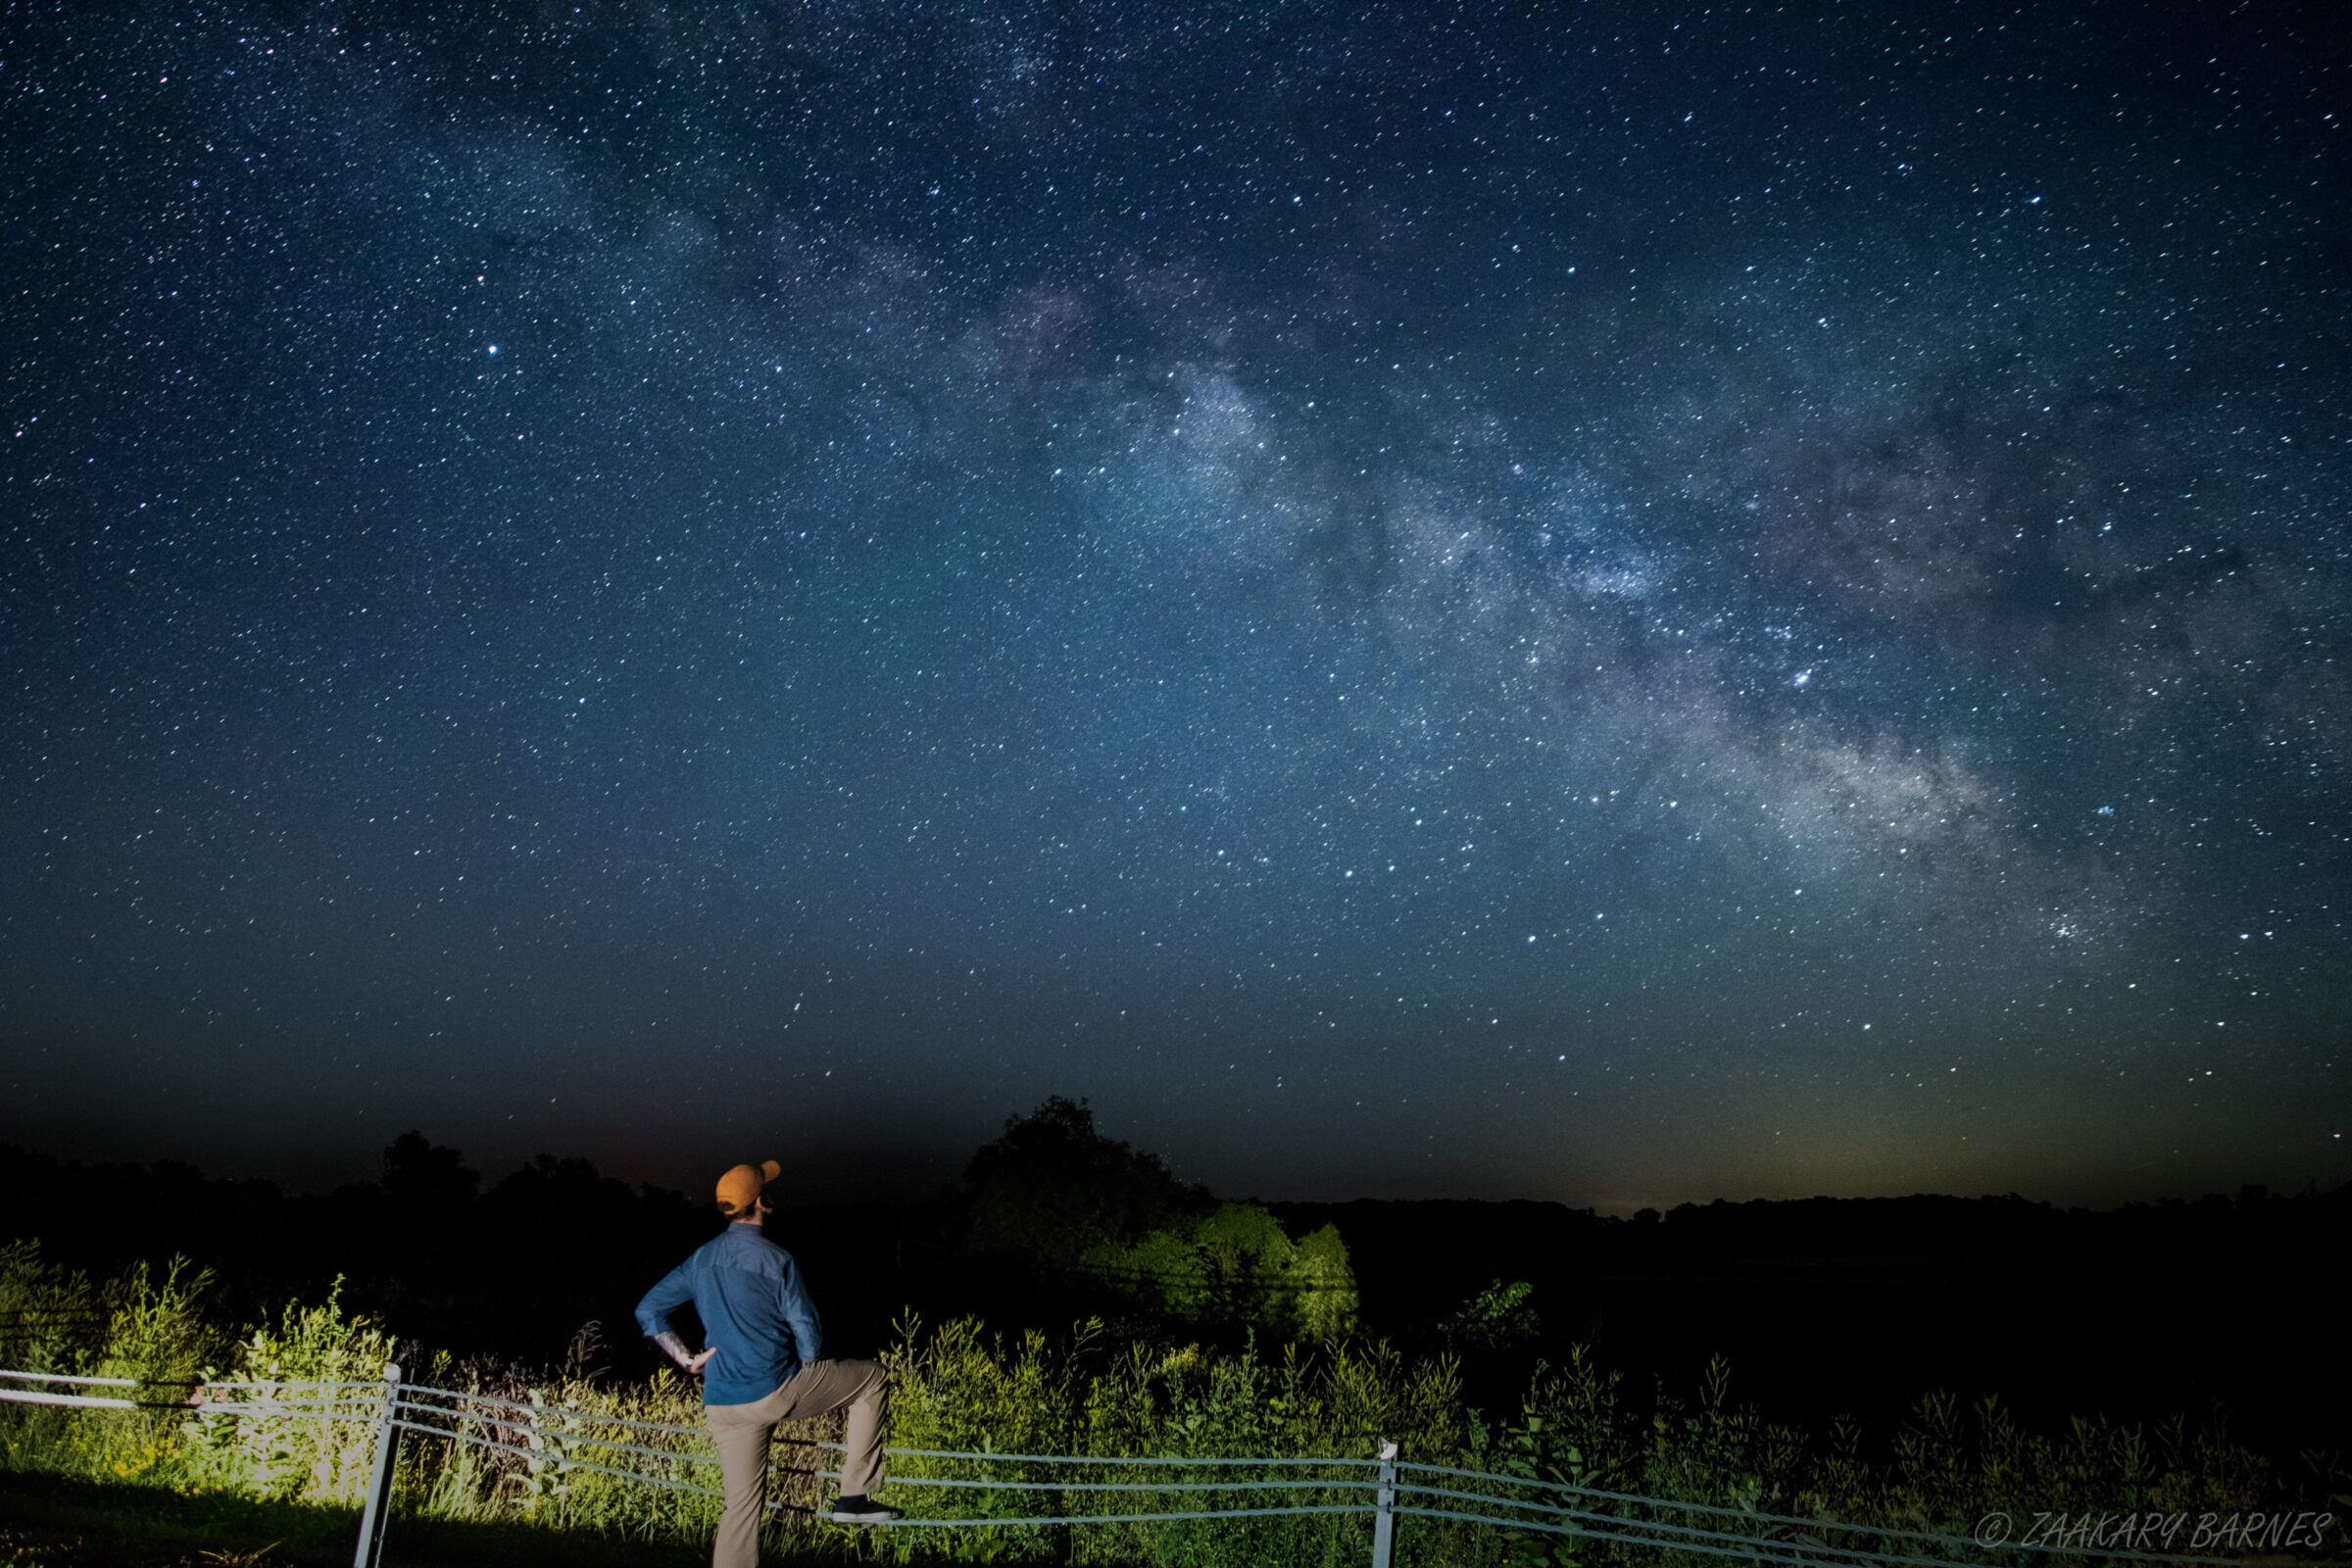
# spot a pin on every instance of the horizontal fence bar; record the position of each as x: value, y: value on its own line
x: 1818, y: 1548
x: 919, y: 1453
x: 1137, y: 1518
x: 81, y: 1402
x: 559, y: 1460
x: 562, y: 1462
x: 566, y: 1437
x: 562, y: 1409
x: 61, y: 1377
x: 557, y: 1436
x: 1633, y: 1540
x: 1790, y: 1554
x: 556, y: 1459
x: 1883, y: 1532
x: 1126, y: 1486
x: 292, y: 1410
x: 1091, y: 1459
x: 1782, y: 1554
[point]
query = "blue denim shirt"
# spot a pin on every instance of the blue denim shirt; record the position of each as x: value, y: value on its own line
x: 754, y: 1312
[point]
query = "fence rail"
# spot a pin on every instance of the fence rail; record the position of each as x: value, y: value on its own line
x: 558, y: 1437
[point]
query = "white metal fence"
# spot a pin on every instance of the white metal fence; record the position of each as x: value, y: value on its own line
x: 1389, y: 1487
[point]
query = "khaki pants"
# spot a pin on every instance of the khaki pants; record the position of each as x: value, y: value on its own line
x: 742, y: 1432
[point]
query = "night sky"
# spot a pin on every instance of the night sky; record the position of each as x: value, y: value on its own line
x: 1606, y: 602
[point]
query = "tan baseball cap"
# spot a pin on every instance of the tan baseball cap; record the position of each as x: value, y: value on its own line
x: 739, y: 1188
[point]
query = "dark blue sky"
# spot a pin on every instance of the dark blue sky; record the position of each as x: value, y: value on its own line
x: 1602, y: 602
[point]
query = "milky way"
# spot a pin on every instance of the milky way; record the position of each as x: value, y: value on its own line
x: 1610, y: 603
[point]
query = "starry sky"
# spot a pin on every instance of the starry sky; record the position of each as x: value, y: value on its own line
x: 1602, y: 601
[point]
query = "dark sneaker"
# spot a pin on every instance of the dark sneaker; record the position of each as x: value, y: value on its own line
x: 862, y: 1511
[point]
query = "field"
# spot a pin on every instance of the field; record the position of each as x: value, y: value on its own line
x: 162, y: 1485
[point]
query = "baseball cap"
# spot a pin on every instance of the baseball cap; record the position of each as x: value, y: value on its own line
x: 739, y: 1188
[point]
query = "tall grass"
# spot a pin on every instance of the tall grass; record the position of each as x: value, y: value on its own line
x: 960, y: 1387
x: 142, y: 1326
x: 1947, y: 1467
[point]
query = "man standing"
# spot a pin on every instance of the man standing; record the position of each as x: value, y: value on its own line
x: 760, y: 1366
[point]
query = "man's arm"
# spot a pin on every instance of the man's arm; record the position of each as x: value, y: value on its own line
x: 800, y: 1313
x: 652, y: 1316
x: 677, y: 1353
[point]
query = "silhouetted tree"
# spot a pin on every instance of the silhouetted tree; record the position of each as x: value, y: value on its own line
x: 1052, y: 1189
x: 419, y: 1173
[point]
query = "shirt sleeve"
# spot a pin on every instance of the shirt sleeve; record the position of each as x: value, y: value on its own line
x: 675, y: 1291
x: 800, y: 1313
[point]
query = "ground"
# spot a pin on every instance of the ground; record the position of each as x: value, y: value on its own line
x: 46, y: 1522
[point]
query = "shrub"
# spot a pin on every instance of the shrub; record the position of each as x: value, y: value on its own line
x: 1236, y: 1266
x: 1136, y: 1403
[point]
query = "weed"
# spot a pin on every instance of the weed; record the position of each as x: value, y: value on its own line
x: 1088, y: 1394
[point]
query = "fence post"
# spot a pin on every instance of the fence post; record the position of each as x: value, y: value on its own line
x: 370, y: 1550
x: 1383, y: 1509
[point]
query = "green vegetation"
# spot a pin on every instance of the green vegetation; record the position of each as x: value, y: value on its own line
x: 1496, y: 1318
x: 1236, y: 1264
x: 1054, y: 1198
x: 960, y: 1387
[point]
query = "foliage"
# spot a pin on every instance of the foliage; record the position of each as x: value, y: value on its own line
x: 287, y: 1455
x: 1236, y: 1264
x: 962, y: 1388
x: 1052, y: 1188
x: 52, y: 1319
x: 1496, y: 1318
x: 140, y: 1326
x: 1948, y: 1469
x: 1057, y: 1201
x: 1091, y: 1394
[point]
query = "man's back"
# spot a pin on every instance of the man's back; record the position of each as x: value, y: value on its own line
x: 756, y: 1314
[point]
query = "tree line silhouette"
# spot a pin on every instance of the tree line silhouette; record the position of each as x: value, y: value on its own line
x: 2221, y: 1306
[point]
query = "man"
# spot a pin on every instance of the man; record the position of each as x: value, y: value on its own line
x: 760, y: 1365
